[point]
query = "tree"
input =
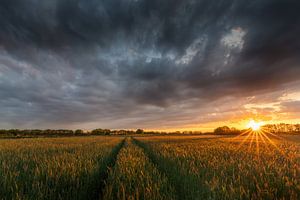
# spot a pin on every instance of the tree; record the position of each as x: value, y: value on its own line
x: 106, y: 132
x: 139, y: 131
x: 101, y: 132
x: 3, y: 132
x: 235, y: 131
x: 78, y: 132
x: 297, y: 128
x: 14, y: 132
x: 222, y: 130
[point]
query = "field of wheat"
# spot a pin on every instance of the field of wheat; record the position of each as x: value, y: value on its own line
x: 135, y: 177
x: 53, y: 168
x: 150, y: 167
x: 249, y: 167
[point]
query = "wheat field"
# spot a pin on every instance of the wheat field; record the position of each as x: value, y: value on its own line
x: 150, y: 167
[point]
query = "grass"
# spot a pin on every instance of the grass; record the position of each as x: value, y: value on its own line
x: 228, y: 168
x: 150, y: 167
x: 135, y: 177
x: 58, y: 168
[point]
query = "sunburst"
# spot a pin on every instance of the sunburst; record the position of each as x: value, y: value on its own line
x: 256, y: 134
x: 255, y: 126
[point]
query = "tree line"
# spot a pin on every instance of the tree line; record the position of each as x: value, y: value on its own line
x: 65, y: 132
x: 282, y: 128
x: 223, y: 130
x: 273, y: 128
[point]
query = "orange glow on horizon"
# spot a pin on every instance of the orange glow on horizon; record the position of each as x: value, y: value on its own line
x: 238, y: 122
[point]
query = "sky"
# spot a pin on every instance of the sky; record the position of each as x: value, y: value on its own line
x: 151, y: 64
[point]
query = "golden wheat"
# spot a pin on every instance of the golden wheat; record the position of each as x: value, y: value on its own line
x: 135, y: 177
x: 229, y: 168
x: 57, y: 168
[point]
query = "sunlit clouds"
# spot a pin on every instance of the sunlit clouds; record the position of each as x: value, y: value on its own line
x: 146, y: 64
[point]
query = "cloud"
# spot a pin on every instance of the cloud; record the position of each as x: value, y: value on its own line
x: 69, y: 63
x: 195, y: 48
x: 235, y: 39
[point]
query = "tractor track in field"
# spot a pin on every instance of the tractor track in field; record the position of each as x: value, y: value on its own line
x: 104, y: 171
x: 150, y: 154
x: 135, y: 143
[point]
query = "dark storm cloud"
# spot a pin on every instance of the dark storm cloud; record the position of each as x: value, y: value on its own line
x: 76, y: 61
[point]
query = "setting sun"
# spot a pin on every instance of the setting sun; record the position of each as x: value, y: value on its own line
x: 255, y: 126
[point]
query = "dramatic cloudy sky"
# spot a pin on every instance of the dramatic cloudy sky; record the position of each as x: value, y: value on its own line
x: 148, y: 63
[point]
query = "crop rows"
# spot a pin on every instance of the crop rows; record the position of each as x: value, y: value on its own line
x: 149, y: 168
x: 227, y: 168
x: 61, y: 168
x: 135, y: 177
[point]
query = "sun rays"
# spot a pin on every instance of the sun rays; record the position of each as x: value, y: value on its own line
x: 257, y: 135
